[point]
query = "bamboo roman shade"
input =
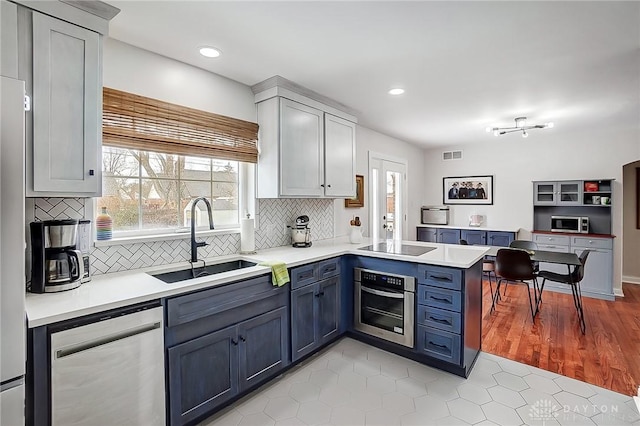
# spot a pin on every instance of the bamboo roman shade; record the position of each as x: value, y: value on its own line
x: 136, y: 122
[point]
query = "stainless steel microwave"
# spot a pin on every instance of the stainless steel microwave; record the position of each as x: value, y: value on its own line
x: 434, y: 215
x: 573, y: 224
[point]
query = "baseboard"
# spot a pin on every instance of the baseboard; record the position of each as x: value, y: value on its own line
x: 630, y: 279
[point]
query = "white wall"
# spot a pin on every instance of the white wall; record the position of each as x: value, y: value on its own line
x: 515, y: 162
x: 369, y: 140
x: 145, y: 73
x: 631, y: 235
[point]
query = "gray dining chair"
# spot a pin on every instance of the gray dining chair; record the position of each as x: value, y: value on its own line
x: 573, y: 280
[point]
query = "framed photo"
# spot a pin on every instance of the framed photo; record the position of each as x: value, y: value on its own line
x: 359, y: 200
x: 467, y: 190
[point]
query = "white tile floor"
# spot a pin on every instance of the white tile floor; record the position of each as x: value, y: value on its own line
x: 351, y: 383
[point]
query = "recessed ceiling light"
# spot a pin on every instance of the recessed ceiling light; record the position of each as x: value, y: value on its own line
x: 209, y: 52
x: 396, y: 91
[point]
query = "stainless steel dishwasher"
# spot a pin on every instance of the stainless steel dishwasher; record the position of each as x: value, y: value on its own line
x: 108, y: 369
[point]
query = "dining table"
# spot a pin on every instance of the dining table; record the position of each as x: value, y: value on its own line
x: 560, y: 258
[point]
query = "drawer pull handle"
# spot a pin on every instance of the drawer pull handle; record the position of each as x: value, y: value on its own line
x: 440, y: 278
x: 439, y: 299
x: 330, y: 268
x: 306, y: 274
x: 441, y: 321
x: 438, y: 346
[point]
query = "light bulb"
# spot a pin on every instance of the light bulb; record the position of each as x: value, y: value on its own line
x: 548, y: 125
x: 496, y: 132
x: 488, y: 129
x: 525, y: 134
x: 396, y: 91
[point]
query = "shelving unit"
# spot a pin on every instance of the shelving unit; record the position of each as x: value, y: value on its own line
x: 596, y: 188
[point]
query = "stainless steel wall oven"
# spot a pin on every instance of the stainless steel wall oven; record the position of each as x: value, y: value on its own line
x: 385, y: 305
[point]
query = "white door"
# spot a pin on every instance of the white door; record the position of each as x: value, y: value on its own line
x: 388, y: 198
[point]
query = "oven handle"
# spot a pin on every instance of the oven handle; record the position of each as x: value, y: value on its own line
x: 382, y: 293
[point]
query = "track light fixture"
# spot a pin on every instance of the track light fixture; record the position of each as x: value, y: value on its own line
x: 521, y: 126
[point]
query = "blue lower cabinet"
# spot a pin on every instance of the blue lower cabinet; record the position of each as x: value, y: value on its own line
x: 210, y: 370
x: 500, y: 238
x: 448, y: 236
x: 303, y: 321
x: 315, y: 316
x: 263, y: 347
x: 438, y: 344
x: 203, y: 373
x: 450, y: 300
x: 474, y: 237
x: 429, y: 235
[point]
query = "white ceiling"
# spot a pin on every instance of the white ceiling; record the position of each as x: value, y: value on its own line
x: 464, y: 65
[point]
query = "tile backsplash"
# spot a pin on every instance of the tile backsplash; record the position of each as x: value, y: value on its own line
x: 272, y: 217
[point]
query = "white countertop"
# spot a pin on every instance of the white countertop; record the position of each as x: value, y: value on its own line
x: 120, y: 289
x: 479, y: 228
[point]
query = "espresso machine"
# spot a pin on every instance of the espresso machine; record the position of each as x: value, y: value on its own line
x: 300, y: 232
x: 56, y: 265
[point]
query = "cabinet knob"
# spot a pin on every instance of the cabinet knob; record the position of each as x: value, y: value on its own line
x: 322, y: 185
x: 92, y: 172
x: 329, y: 186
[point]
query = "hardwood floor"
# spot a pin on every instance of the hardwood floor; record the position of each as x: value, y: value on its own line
x: 607, y: 356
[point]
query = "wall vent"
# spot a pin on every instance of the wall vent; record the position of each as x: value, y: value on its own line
x: 452, y: 155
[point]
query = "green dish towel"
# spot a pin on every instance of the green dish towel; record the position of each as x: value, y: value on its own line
x: 279, y: 272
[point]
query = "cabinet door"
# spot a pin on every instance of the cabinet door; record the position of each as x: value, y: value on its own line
x: 339, y: 157
x: 263, y: 346
x: 203, y: 373
x: 448, y: 236
x: 544, y: 193
x: 500, y: 239
x: 67, y: 110
x: 598, y: 272
x: 474, y: 237
x: 303, y: 329
x: 570, y: 193
x: 328, y: 309
x: 301, y: 150
x: 429, y: 235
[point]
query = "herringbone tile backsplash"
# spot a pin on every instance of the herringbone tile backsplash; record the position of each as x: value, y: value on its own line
x: 272, y: 217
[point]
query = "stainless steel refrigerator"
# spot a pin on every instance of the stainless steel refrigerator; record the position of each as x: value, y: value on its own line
x: 12, y: 251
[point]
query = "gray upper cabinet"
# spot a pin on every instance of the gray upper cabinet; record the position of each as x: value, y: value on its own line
x: 560, y: 193
x: 307, y: 147
x: 339, y: 154
x: 65, y: 148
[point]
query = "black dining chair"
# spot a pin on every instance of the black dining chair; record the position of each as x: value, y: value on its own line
x: 488, y: 269
x: 573, y: 280
x: 515, y: 266
x: 524, y: 245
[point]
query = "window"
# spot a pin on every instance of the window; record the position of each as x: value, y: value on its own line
x: 150, y: 192
x: 158, y: 157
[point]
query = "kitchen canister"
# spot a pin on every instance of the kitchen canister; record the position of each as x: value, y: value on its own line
x: 104, y: 226
x: 355, y: 236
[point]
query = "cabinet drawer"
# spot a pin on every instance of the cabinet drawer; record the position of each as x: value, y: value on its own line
x: 328, y: 268
x: 439, y: 344
x: 303, y: 275
x: 439, y: 318
x: 601, y: 243
x: 440, y: 277
x: 201, y: 304
x: 562, y: 240
x: 439, y: 298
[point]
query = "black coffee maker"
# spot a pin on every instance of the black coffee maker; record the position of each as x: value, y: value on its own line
x: 56, y: 265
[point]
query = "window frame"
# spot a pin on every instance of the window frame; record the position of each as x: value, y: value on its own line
x: 246, y: 203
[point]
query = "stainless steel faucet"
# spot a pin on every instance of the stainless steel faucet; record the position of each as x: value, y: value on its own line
x: 194, y: 244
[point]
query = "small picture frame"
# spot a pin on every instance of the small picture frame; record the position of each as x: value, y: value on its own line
x: 470, y: 190
x: 358, y: 201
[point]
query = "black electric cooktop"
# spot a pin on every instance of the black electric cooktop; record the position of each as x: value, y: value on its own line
x: 398, y: 248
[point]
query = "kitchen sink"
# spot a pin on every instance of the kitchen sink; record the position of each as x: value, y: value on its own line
x: 189, y: 273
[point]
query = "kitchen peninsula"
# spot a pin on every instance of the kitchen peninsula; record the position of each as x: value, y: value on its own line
x: 261, y: 323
